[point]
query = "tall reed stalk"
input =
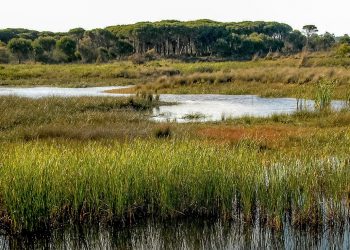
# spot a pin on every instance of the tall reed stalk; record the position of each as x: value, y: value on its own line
x: 323, y: 97
x: 45, y: 184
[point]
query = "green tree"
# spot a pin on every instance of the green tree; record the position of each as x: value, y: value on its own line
x: 47, y: 43
x: 102, y: 55
x: 21, y: 48
x: 327, y: 40
x: 38, y: 52
x: 121, y: 49
x: 295, y: 41
x: 344, y: 39
x: 77, y: 33
x: 7, y: 34
x: 321, y: 42
x: 86, y: 50
x: 43, y: 49
x: 222, y: 48
x: 309, y: 30
x: 67, y: 46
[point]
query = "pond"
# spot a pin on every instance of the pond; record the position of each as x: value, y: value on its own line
x: 194, y: 234
x: 39, y: 92
x: 218, y: 107
x: 189, y: 107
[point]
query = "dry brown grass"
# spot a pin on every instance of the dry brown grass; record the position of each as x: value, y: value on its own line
x: 270, y: 81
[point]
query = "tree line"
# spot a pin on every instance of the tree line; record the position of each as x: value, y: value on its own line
x: 170, y: 38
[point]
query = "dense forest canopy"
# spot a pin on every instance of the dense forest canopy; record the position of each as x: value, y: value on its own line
x: 168, y: 38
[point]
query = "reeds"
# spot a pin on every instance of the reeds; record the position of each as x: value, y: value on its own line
x: 75, y: 118
x: 44, y: 184
x: 323, y: 97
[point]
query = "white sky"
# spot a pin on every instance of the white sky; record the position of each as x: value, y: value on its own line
x: 61, y: 15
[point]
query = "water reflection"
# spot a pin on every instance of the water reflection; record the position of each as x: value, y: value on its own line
x: 39, y: 92
x: 184, y: 235
x: 189, y: 107
x: 219, y: 107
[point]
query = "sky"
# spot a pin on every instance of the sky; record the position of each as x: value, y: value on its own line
x: 62, y: 15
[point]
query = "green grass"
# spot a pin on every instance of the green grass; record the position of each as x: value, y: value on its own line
x: 60, y: 163
x: 75, y: 118
x: 193, y: 116
x: 101, y: 160
x: 44, y: 184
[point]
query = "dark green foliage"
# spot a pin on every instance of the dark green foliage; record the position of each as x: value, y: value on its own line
x: 43, y: 49
x: 321, y: 42
x: 173, y: 39
x: 77, y: 33
x: 21, y: 48
x: 102, y: 55
x: 344, y: 39
x: 163, y: 132
x: 295, y: 41
x: 310, y: 29
x: 202, y: 37
x: 123, y: 48
x: 68, y: 46
x: 7, y: 34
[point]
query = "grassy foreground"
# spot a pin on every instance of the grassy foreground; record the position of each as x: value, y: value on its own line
x: 101, y: 160
x: 43, y: 184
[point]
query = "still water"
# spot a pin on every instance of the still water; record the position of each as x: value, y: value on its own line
x: 218, y: 107
x: 188, y: 107
x: 184, y: 235
x: 39, y: 92
x: 192, y: 234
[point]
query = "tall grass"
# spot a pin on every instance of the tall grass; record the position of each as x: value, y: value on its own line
x: 75, y: 118
x: 280, y: 77
x: 323, y: 97
x: 45, y: 184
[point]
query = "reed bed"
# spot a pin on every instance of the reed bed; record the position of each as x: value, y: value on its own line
x: 281, y: 70
x: 280, y: 81
x: 287, y: 75
x: 45, y: 184
x: 76, y: 118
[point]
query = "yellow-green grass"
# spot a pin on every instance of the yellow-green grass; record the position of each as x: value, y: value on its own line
x: 263, y: 81
x: 87, y: 118
x: 282, y: 76
x: 46, y: 183
x: 90, y: 160
x: 75, y: 118
x: 80, y: 75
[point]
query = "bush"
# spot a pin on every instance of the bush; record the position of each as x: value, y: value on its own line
x: 343, y: 50
x: 163, y: 132
x: 137, y: 58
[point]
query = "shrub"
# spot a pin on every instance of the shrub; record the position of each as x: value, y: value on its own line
x: 137, y: 59
x: 343, y: 50
x: 163, y: 132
